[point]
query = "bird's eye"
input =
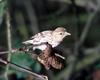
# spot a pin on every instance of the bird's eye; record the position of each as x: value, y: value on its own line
x: 60, y: 33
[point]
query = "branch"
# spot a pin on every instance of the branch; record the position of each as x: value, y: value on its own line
x: 7, y: 52
x: 41, y: 77
x: 8, y: 41
x: 88, y: 25
x: 32, y: 16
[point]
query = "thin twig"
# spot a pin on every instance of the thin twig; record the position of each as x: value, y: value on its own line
x: 41, y: 77
x: 7, y: 52
x: 88, y: 25
x: 8, y: 41
x: 4, y: 52
x: 32, y: 16
x: 73, y: 62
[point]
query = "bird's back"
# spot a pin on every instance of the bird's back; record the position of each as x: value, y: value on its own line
x: 39, y: 38
x: 42, y: 37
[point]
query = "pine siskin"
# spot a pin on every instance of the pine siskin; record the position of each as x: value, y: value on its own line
x: 53, y: 37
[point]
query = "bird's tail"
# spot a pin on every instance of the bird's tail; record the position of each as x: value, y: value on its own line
x: 28, y: 42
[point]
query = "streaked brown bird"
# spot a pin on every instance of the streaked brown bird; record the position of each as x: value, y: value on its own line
x: 49, y: 58
x: 53, y: 37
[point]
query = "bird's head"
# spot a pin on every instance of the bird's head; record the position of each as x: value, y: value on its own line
x: 60, y: 33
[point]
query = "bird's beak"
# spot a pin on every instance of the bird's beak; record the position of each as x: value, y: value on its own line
x: 67, y: 33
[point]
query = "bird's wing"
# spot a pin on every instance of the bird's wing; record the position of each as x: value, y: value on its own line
x: 41, y: 34
x: 39, y: 38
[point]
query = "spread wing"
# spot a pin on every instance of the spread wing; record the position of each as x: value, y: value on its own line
x: 39, y: 38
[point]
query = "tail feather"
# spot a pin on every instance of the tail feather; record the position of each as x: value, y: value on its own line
x: 28, y: 42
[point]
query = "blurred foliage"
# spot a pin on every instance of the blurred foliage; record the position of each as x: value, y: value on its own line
x: 3, y: 6
x: 24, y: 60
x: 49, y: 15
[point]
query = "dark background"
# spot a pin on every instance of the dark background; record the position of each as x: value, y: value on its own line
x: 81, y: 49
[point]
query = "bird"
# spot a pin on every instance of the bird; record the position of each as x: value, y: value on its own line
x: 53, y: 37
x: 49, y: 59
